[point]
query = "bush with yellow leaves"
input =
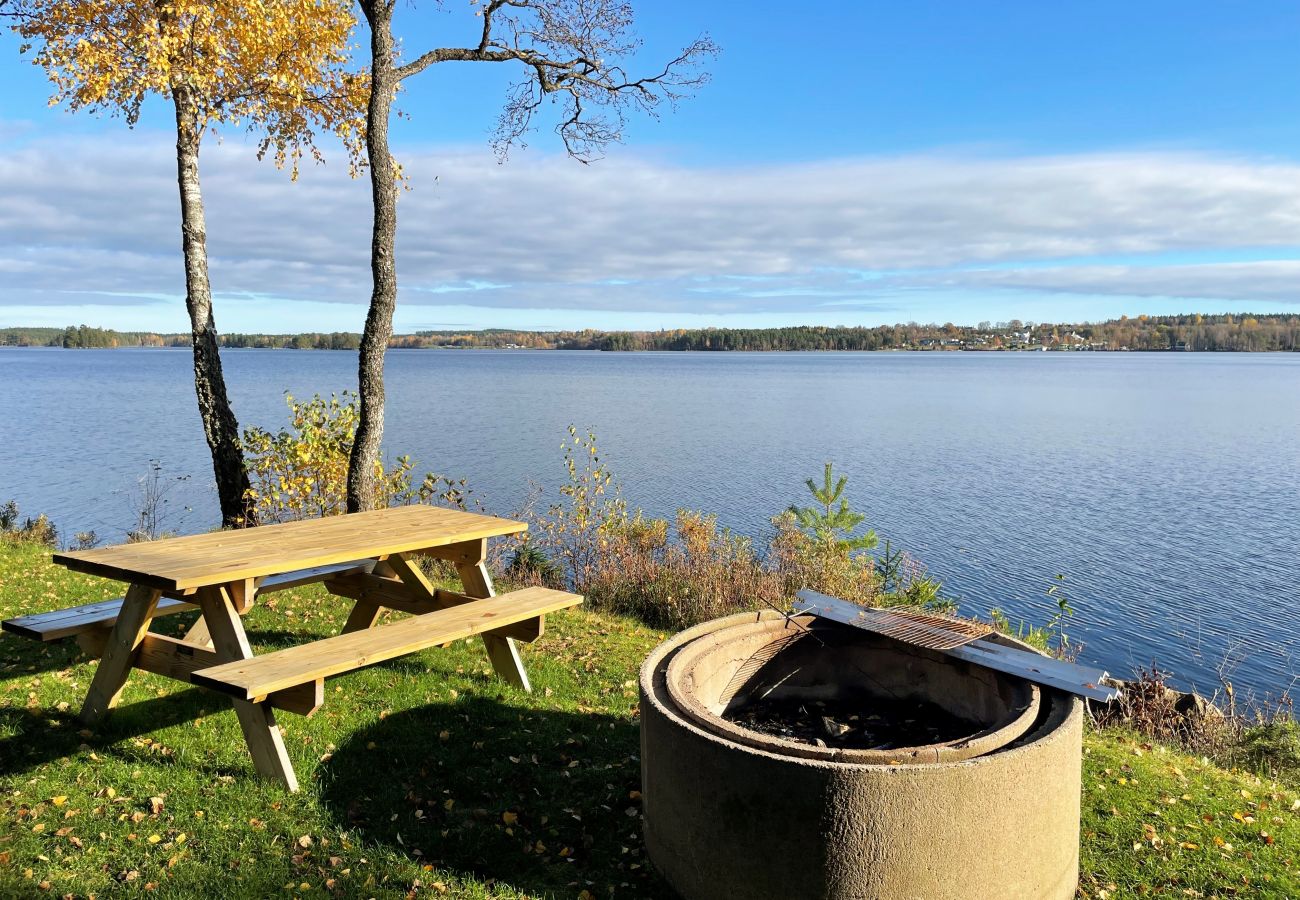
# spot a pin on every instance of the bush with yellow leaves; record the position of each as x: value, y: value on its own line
x: 300, y: 472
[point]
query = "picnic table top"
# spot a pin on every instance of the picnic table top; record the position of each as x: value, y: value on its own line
x: 220, y: 557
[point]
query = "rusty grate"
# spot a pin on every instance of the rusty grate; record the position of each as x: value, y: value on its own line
x: 929, y: 630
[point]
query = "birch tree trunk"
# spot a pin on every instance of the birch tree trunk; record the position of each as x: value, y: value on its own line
x: 219, y: 425
x: 383, y: 297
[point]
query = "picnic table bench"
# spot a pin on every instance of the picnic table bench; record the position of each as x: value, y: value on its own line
x: 366, y: 557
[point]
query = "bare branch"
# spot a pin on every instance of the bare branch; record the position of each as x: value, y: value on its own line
x: 571, y: 52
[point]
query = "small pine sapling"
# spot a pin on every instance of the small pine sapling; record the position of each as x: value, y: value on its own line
x: 830, y: 525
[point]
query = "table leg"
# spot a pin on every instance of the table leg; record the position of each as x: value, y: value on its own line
x: 115, y: 665
x: 365, y: 613
x: 503, y: 651
x: 257, y: 720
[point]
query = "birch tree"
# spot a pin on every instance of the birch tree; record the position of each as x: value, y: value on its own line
x: 571, y: 56
x: 277, y: 67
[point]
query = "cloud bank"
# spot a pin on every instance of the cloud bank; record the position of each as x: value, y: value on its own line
x: 95, y: 221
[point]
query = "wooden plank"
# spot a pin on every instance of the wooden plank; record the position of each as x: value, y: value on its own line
x: 226, y: 556
x: 287, y: 580
x: 377, y: 591
x: 242, y: 593
x: 172, y: 658
x: 390, y: 593
x: 257, y: 720
x: 1043, y: 670
x: 255, y: 677
x: 61, y: 623
x: 462, y: 553
x: 502, y: 651
x: 365, y: 612
x: 527, y: 631
x: 198, y: 634
x: 128, y: 630
x: 417, y: 586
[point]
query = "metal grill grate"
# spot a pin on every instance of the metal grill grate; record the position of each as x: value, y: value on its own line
x: 962, y: 640
x: 750, y: 667
x: 929, y: 630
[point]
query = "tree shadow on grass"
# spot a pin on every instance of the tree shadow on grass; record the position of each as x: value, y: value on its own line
x: 544, y: 801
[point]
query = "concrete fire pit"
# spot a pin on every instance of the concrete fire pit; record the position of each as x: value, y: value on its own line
x: 988, y: 810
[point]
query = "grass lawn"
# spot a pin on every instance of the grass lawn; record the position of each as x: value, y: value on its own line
x: 425, y: 777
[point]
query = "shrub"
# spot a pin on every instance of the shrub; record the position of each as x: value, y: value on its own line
x: 576, y: 529
x: 529, y: 564
x: 39, y: 530
x: 150, y: 499
x: 1272, y: 745
x: 84, y: 540
x: 300, y: 472
x: 674, y: 573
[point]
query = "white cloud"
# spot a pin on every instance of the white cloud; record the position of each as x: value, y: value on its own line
x: 100, y: 215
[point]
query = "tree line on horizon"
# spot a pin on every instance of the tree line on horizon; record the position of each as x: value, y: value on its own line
x: 1198, y: 332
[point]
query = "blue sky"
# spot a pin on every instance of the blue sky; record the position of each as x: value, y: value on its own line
x: 850, y: 163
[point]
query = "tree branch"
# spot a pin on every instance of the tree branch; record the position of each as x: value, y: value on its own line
x: 564, y: 47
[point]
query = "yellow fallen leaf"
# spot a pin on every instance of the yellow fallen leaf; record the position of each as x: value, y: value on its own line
x: 38, y: 827
x: 509, y: 817
x: 60, y: 800
x: 154, y: 838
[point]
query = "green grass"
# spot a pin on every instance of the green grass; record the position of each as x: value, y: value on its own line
x: 425, y: 776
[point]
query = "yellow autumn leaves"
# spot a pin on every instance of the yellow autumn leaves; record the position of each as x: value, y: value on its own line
x: 301, y: 472
x: 278, y: 67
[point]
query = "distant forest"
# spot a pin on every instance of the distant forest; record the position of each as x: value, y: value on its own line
x: 1250, y: 333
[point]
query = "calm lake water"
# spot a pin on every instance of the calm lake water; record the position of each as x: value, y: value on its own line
x: 1165, y: 486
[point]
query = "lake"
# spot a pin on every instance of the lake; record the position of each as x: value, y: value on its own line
x: 1166, y: 487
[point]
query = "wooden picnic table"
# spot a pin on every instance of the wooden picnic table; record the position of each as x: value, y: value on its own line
x: 366, y: 557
